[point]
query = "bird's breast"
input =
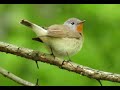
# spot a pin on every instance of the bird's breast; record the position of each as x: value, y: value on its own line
x: 65, y: 46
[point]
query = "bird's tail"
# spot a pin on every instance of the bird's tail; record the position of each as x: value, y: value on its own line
x: 37, y: 29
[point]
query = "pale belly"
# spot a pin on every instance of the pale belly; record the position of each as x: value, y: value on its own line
x: 65, y: 46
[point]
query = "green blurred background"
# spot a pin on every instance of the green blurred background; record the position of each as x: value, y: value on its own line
x: 101, y: 49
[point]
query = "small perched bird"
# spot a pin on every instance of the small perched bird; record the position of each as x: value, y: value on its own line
x: 61, y: 39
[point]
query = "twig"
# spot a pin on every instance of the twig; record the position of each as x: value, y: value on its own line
x: 70, y: 66
x: 15, y: 78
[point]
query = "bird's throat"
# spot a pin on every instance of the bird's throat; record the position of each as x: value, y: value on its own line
x: 80, y: 27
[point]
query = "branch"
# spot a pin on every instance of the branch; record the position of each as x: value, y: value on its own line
x: 70, y: 66
x: 15, y: 78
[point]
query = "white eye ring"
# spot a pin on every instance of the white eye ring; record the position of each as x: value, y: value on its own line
x: 72, y: 23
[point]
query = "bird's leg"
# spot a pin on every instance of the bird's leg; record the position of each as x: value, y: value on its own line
x: 99, y: 82
x: 52, y: 52
x: 67, y: 60
x: 68, y: 57
x: 37, y: 64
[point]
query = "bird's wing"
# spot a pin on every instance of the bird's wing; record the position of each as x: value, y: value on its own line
x: 62, y: 31
x: 58, y: 31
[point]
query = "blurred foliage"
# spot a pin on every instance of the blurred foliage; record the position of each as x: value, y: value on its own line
x: 101, y: 49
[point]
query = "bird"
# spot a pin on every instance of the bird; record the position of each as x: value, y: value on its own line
x: 62, y: 40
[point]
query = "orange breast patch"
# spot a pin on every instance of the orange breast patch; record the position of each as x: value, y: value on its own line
x: 80, y: 27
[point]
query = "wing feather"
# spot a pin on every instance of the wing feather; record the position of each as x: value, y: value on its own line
x: 62, y: 31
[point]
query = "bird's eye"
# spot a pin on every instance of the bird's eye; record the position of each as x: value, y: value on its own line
x: 72, y: 23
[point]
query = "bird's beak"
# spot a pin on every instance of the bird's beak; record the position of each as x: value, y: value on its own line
x: 80, y: 26
x: 81, y: 22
